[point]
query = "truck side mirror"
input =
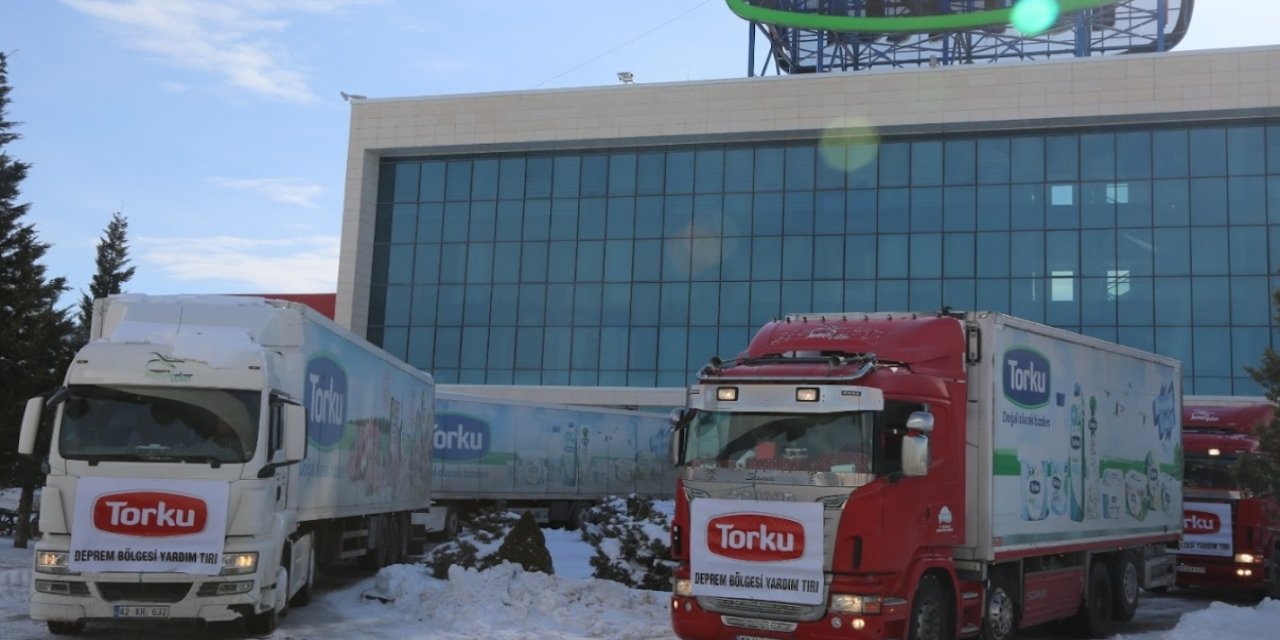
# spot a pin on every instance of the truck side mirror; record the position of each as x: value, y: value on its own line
x: 915, y: 445
x: 679, y: 419
x: 30, y: 426
x: 295, y: 433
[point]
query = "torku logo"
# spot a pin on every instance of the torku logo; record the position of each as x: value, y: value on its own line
x: 326, y: 401
x: 755, y: 537
x: 150, y: 513
x: 1025, y: 377
x: 1201, y: 522
x: 460, y: 437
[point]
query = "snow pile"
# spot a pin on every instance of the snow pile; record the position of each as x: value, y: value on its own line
x: 1221, y: 620
x: 631, y: 538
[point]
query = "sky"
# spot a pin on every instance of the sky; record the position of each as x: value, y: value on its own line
x: 217, y: 128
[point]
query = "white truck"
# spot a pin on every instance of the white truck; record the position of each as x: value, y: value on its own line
x: 209, y: 453
x: 553, y: 459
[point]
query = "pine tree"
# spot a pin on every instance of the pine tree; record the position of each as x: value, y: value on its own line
x: 113, y: 256
x: 35, y: 336
x: 1260, y: 473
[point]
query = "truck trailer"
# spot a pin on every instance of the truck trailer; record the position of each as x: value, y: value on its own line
x: 556, y: 460
x: 1227, y: 538
x: 209, y: 453
x: 923, y: 476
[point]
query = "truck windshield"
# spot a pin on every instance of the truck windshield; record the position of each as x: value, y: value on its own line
x: 159, y: 424
x: 798, y: 442
x: 1209, y: 472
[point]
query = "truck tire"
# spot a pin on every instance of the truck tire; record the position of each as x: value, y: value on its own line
x: 932, y: 613
x: 64, y: 628
x: 578, y: 515
x: 261, y: 624
x: 1127, y: 591
x: 1094, y: 618
x: 450, y: 524
x: 1000, y: 616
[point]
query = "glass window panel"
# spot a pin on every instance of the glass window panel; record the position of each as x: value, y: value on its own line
x: 828, y: 294
x: 828, y: 212
x: 421, y: 347
x: 566, y: 176
x: 1062, y: 299
x: 993, y: 160
x: 673, y: 345
x: 614, y: 343
x: 511, y: 178
x: 892, y: 295
x: 398, y: 304
x: 735, y: 259
x: 1173, y: 297
x: 1028, y: 159
x: 828, y: 257
x: 651, y: 169
x: 1210, y: 158
x: 382, y: 223
x: 448, y: 347
x: 832, y: 163
x: 1027, y: 297
x: 893, y: 256
x: 453, y: 262
x: 450, y: 304
x: 477, y: 305
x: 959, y: 212
x: 1099, y: 300
x: 1250, y: 302
x: 1172, y: 251
x: 1209, y: 258
x: 737, y: 214
x: 860, y: 257
x: 398, y: 182
x: 1098, y: 204
x: 739, y: 165
x: 556, y: 347
x: 484, y: 179
x: 799, y: 167
x: 538, y: 172
x: 926, y: 209
x: 1101, y: 333
x: 1097, y: 251
x: 766, y: 258
x: 797, y: 294
x: 1246, y: 151
x: 590, y: 260
x: 622, y: 174
x: 675, y: 261
x: 1273, y: 197
x: 958, y: 255
x: 1175, y: 342
x: 993, y: 255
x: 1248, y: 200
x: 678, y: 216
x: 766, y: 302
x: 1027, y: 206
x: 1208, y: 201
x: 1135, y: 251
x: 769, y: 168
x: 703, y: 310
x: 1027, y: 254
x: 483, y: 219
x: 709, y: 168
x: 1247, y: 345
x: 591, y: 218
x: 1143, y: 338
x: 860, y: 295
x: 560, y: 304
x: 675, y: 303
x: 1064, y: 206
x: 562, y: 259
x: 895, y: 164
x: 529, y: 347
x: 1133, y: 155
x: 621, y: 218
x: 960, y: 162
x: 595, y: 175
x: 457, y: 184
x: 863, y: 164
x: 537, y: 219
x: 1062, y: 252
x: 895, y: 210
x: 431, y: 187
x: 404, y: 220
x: 1136, y: 305
x: 958, y: 294
x: 1248, y: 252
x: 797, y: 212
x: 1133, y: 203
x: 1097, y: 156
x: 533, y: 262
x: 1062, y: 158
x: 1210, y: 301
x: 644, y: 303
x: 617, y: 261
x: 797, y: 257
x: 925, y: 294
x: 502, y: 347
x: 734, y: 297
x: 926, y: 256
x: 926, y: 163
x: 564, y: 219
x: 423, y: 310
x: 993, y: 208
x: 1170, y: 154
x: 426, y: 263
x: 457, y: 218
x: 767, y: 214
x: 993, y: 295
x: 504, y: 305
x: 510, y: 219
x: 1211, y: 344
x: 480, y: 262
x: 616, y: 305
x: 644, y: 349
x: 586, y: 304
x: 705, y: 257
x: 1273, y: 148
x: 1171, y: 203
x: 649, y: 217
x: 861, y: 210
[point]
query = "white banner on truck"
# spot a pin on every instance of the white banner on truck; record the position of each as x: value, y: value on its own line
x: 1206, y: 529
x: 756, y: 550
x: 149, y: 524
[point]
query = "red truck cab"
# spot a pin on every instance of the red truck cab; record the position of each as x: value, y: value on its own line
x: 1227, y: 539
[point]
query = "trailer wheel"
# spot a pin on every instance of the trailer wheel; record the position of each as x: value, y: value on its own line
x: 1094, y: 618
x: 1127, y: 591
x: 931, y: 611
x: 450, y: 524
x: 578, y: 515
x: 1000, y: 617
x: 64, y: 628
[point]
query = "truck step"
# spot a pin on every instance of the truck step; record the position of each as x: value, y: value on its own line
x: 969, y: 629
x: 971, y: 595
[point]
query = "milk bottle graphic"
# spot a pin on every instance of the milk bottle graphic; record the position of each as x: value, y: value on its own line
x: 1035, y: 490
x: 1075, y: 463
x: 1092, y: 470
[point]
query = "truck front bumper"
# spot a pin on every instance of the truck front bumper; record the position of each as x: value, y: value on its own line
x: 1222, y: 573
x: 158, y: 597
x: 690, y: 621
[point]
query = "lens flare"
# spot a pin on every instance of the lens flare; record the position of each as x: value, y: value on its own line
x: 1034, y: 17
x: 848, y: 144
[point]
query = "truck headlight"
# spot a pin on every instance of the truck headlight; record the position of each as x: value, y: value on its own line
x: 848, y: 603
x: 683, y: 587
x: 1248, y: 558
x: 52, y: 562
x: 239, y: 563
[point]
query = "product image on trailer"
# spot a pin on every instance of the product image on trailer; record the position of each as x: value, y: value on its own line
x: 211, y: 453
x: 895, y: 475
x: 1228, y: 540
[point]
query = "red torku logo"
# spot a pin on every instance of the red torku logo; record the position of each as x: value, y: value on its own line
x: 1200, y: 522
x: 150, y: 513
x: 755, y: 537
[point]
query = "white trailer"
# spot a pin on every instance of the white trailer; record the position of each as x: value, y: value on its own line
x: 210, y: 452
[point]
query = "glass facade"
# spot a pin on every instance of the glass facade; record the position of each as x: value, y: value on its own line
x: 632, y: 266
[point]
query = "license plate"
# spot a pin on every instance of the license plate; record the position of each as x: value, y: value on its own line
x: 753, y: 638
x: 1185, y: 568
x: 137, y: 611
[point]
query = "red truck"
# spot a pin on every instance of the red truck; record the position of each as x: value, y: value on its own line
x: 893, y: 475
x: 1227, y: 539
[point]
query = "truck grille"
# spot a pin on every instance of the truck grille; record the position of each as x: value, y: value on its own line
x: 759, y: 607
x: 143, y: 592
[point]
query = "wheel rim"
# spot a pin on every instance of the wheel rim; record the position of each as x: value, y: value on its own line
x: 1000, y: 613
x: 928, y: 623
x: 1129, y: 584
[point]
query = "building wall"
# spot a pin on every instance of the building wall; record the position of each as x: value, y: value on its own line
x: 622, y: 235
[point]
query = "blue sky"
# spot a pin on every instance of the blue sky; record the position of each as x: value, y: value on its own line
x: 216, y: 126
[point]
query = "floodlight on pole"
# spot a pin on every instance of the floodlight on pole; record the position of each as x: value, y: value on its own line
x: 626, y: 77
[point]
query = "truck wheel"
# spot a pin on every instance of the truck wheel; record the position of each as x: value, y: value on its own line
x: 1094, y: 618
x: 1127, y: 592
x: 261, y: 624
x: 450, y: 524
x: 64, y: 628
x: 578, y: 515
x: 1000, y: 618
x: 931, y: 612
